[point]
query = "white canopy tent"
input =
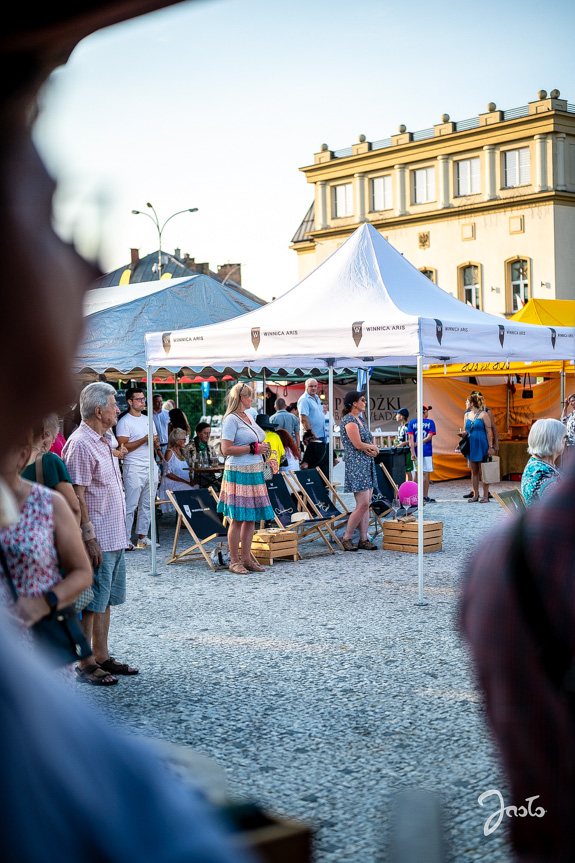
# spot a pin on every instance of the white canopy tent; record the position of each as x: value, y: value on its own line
x: 365, y: 305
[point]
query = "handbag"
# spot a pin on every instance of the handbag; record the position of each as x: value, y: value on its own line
x: 527, y: 391
x: 490, y: 471
x: 59, y: 637
x: 464, y: 446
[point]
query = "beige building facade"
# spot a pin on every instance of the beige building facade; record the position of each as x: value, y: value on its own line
x: 485, y: 207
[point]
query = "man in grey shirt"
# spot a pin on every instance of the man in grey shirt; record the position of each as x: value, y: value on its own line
x: 283, y: 419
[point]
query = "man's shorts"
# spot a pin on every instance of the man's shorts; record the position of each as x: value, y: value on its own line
x: 109, y: 581
x: 427, y: 464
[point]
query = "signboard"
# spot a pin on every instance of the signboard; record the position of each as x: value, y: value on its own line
x: 384, y: 402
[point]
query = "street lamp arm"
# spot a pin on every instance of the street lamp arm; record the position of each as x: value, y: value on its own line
x: 193, y: 210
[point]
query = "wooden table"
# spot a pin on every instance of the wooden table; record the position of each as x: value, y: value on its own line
x: 206, y: 475
x: 513, y: 456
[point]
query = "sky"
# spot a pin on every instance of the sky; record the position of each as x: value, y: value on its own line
x: 216, y: 104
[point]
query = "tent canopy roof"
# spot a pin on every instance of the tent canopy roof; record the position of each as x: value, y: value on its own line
x: 552, y: 313
x: 365, y: 305
x: 116, y: 319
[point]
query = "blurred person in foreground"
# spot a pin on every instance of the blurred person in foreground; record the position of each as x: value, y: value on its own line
x: 545, y: 444
x: 54, y: 746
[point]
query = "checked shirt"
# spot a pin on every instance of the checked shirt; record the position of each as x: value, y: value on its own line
x: 91, y: 463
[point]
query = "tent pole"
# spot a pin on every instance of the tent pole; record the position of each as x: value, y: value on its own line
x: 419, y: 437
x: 330, y: 415
x: 562, y: 391
x: 177, y: 392
x: 368, y: 407
x: 151, y: 467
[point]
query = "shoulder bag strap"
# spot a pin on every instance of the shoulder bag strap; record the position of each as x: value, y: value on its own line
x: 6, y: 569
x: 40, y: 468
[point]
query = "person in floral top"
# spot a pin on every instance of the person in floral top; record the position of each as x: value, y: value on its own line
x: 545, y: 444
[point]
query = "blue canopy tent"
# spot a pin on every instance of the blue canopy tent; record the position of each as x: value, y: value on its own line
x: 116, y: 319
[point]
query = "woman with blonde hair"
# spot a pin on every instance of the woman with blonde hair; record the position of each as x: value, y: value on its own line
x: 479, y: 430
x: 244, y: 498
x: 176, y: 474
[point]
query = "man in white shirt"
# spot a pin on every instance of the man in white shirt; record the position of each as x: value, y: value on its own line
x: 161, y: 419
x: 132, y: 432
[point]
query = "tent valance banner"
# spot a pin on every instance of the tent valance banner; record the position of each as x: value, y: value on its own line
x: 365, y: 305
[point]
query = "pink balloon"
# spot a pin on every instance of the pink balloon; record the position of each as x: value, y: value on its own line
x: 408, y: 493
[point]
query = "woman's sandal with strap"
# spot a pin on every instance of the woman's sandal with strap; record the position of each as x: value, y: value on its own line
x: 238, y: 568
x: 254, y: 566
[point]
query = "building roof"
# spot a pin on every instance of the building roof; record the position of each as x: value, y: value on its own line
x: 306, y: 225
x: 145, y: 269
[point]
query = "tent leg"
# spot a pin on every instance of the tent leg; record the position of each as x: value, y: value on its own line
x: 419, y: 437
x: 330, y: 415
x: 176, y: 391
x: 562, y: 395
x: 368, y: 408
x: 151, y: 468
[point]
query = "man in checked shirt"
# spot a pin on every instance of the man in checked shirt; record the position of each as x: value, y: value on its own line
x: 95, y: 474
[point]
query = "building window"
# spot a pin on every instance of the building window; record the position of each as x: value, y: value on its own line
x: 516, y: 168
x: 381, y: 194
x: 469, y: 284
x: 342, y: 200
x: 517, y: 284
x: 430, y: 272
x: 423, y: 185
x: 468, y: 177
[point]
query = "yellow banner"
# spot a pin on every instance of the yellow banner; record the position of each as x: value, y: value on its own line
x: 539, y: 369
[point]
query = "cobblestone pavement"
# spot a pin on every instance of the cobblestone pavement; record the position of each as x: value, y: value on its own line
x: 320, y: 687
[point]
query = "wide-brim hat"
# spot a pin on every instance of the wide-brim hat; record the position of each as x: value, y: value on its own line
x: 265, y: 423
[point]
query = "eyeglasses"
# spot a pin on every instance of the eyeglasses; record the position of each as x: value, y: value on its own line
x: 138, y: 399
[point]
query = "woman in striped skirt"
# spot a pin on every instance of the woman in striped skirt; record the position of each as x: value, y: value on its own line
x: 243, y: 497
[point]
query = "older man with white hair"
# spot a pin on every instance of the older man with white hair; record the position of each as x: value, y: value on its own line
x: 95, y: 474
x: 311, y: 411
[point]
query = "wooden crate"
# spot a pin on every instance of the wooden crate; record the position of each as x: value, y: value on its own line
x: 274, y: 543
x: 402, y: 536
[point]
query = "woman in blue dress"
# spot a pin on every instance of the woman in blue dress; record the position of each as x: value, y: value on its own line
x: 478, y: 426
x: 359, y: 453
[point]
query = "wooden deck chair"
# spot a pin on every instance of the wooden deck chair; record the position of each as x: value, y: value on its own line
x: 284, y: 507
x: 512, y: 500
x: 197, y: 512
x: 315, y: 498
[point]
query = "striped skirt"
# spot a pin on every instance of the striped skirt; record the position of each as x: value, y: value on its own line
x: 244, y: 496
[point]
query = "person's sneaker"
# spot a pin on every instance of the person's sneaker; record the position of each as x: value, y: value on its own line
x: 130, y: 546
x: 429, y: 500
x: 146, y: 542
x: 367, y: 545
x: 468, y: 495
x: 348, y: 545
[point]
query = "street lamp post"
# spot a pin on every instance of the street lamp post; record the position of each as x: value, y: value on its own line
x: 159, y: 229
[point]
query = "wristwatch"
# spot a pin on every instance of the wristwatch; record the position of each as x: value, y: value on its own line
x: 52, y: 600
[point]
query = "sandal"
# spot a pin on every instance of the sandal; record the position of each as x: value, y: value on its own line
x: 254, y: 566
x: 238, y: 568
x: 473, y: 500
x: 114, y: 667
x: 483, y: 500
x: 90, y: 675
x: 348, y: 545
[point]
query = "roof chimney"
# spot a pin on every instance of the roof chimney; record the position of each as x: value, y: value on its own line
x: 178, y: 254
x: 135, y: 258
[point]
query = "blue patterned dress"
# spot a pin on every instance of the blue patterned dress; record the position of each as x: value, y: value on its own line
x: 359, y: 467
